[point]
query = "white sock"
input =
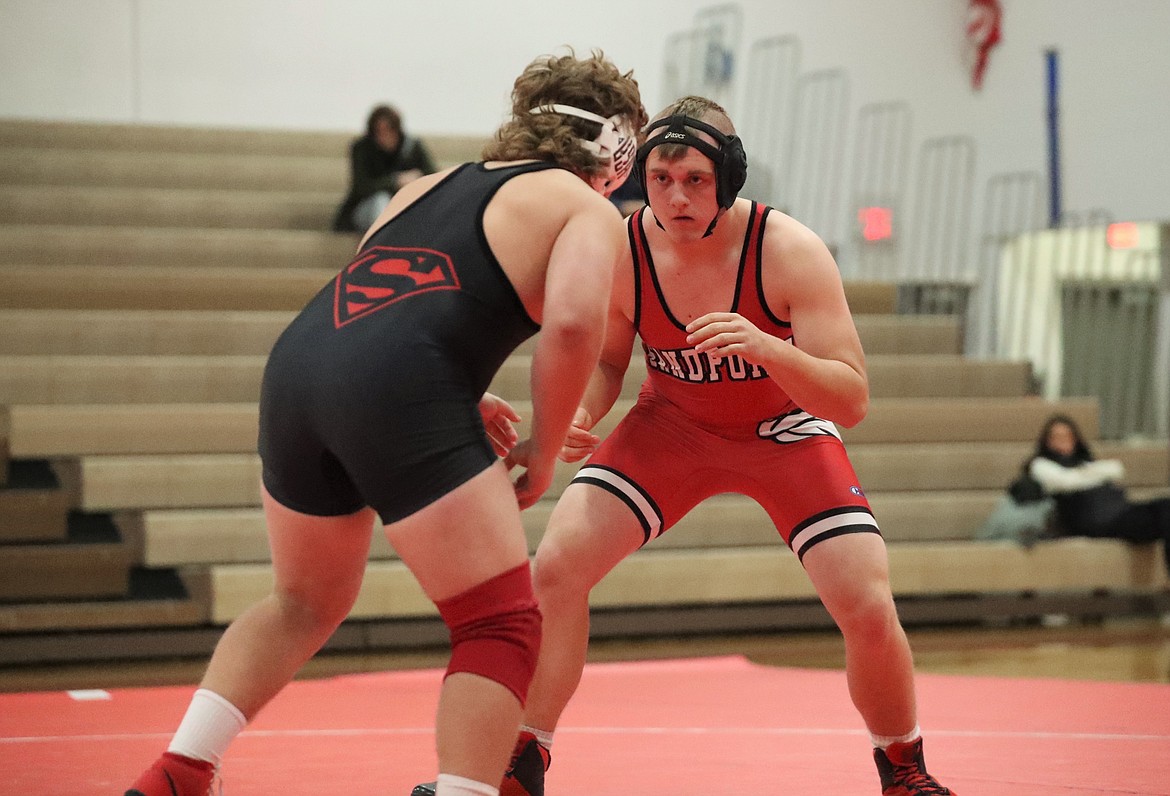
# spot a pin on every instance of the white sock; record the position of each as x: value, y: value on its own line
x: 208, y: 728
x: 543, y: 737
x: 884, y: 741
x: 451, y: 785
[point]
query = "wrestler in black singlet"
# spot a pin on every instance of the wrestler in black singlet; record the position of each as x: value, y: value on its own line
x: 370, y: 395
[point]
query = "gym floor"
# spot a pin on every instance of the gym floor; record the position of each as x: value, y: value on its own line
x: 1119, y: 650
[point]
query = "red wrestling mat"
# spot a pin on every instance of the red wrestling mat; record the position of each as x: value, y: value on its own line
x: 703, y: 727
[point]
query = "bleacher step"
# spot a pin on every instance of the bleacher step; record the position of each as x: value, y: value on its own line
x: 114, y: 483
x: 34, y: 503
x: 191, y: 170
x: 67, y: 430
x: 890, y: 376
x: 137, y: 138
x: 768, y: 574
x: 201, y: 536
x: 92, y: 561
x: 184, y: 537
x: 212, y: 332
x: 64, y: 430
x: 946, y: 376
x: 154, y: 599
x: 88, y: 332
x: 158, y: 287
x: 105, y: 379
x: 194, y: 537
x: 166, y: 207
x: 100, y: 379
x: 224, y: 284
x: 232, y: 479
x: 173, y: 247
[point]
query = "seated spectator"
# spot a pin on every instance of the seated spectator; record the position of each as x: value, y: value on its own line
x: 1086, y: 492
x: 1022, y: 514
x: 380, y: 162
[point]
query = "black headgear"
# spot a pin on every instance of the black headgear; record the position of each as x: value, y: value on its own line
x: 729, y: 158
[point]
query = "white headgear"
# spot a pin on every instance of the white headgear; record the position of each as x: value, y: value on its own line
x: 616, y: 144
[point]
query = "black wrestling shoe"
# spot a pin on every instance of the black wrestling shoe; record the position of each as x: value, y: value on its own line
x: 903, y: 771
x: 525, y: 775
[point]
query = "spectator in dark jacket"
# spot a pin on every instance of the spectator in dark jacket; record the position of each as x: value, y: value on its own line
x: 1087, y: 492
x: 380, y: 162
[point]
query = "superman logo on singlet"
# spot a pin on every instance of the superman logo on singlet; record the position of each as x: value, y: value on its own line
x: 382, y: 275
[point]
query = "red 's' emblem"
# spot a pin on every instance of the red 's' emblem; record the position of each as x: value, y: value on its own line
x: 382, y: 275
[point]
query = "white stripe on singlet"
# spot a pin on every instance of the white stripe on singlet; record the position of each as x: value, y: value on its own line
x: 849, y: 520
x: 617, y: 484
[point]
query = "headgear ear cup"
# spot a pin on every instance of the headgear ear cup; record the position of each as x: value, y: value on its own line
x: 640, y: 172
x: 622, y: 159
x: 733, y: 173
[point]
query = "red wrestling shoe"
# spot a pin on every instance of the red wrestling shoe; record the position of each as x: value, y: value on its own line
x: 175, y: 775
x: 903, y: 771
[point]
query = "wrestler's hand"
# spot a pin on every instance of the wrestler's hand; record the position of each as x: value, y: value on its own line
x: 498, y: 416
x: 579, y: 442
x: 721, y: 334
x: 536, y: 478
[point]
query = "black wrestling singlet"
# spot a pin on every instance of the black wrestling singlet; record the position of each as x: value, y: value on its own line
x: 370, y: 395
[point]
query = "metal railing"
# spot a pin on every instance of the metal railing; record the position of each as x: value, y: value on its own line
x: 1013, y: 205
x: 881, y: 163
x: 816, y: 152
x: 703, y: 59
x: 766, y: 122
x: 1089, y: 318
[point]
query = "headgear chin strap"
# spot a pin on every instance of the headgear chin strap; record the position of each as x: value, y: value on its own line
x: 727, y: 154
x: 615, y: 144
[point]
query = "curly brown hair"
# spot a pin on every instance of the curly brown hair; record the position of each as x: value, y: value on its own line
x: 591, y: 84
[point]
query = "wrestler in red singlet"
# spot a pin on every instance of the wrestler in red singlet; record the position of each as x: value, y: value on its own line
x: 704, y: 427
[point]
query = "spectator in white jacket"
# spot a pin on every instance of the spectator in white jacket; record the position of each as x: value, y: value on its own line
x: 1090, y: 500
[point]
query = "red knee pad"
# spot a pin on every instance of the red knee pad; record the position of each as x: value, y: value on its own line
x: 495, y: 630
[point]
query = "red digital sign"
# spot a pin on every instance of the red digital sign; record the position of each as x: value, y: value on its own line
x: 1123, y: 235
x: 877, y: 223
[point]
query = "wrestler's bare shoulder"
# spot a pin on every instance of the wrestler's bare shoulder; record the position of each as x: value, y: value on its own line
x: 790, y: 241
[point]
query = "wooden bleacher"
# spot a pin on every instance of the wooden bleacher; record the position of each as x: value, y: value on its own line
x: 145, y: 272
